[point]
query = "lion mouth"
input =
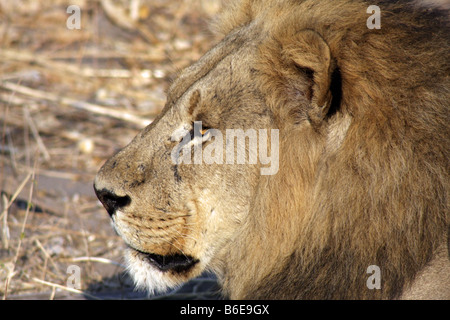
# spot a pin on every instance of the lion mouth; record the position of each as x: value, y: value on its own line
x: 173, y: 262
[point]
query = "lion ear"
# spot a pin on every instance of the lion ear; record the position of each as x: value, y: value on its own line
x: 311, y: 54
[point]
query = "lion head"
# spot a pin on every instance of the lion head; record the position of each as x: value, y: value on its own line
x: 300, y: 150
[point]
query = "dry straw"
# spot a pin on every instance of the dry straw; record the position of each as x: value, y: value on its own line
x: 69, y: 99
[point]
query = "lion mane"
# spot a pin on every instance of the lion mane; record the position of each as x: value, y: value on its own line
x: 359, y: 206
x: 379, y: 195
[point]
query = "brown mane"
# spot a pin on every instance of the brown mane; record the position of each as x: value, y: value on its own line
x: 382, y: 197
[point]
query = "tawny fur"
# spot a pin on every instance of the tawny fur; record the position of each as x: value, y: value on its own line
x: 382, y: 198
x: 364, y: 153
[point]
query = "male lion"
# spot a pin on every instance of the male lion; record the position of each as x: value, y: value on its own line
x: 359, y: 205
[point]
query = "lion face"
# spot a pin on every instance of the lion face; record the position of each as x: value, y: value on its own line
x: 362, y: 177
x: 180, y: 193
x: 174, y: 211
x: 287, y: 159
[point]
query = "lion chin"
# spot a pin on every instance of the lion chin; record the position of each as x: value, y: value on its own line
x: 156, y: 273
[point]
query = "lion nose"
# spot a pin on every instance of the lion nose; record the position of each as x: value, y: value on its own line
x: 111, y: 201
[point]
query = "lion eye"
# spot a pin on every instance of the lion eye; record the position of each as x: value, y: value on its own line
x: 203, y: 134
x: 206, y: 133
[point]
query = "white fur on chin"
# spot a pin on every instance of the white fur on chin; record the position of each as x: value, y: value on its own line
x: 145, y: 276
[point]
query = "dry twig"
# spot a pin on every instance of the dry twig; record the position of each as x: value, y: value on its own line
x: 118, y: 114
x: 58, y: 286
x: 98, y: 259
x: 12, y: 272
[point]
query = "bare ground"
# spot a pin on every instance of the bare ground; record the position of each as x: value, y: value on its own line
x: 69, y: 99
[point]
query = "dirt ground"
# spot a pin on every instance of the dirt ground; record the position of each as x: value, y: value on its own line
x: 69, y: 99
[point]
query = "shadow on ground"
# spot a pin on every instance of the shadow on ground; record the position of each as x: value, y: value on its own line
x: 204, y: 287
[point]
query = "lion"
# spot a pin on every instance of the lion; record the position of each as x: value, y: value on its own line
x: 358, y: 206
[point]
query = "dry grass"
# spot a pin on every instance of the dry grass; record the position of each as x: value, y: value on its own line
x: 68, y: 100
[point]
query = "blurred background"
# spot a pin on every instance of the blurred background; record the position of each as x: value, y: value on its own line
x: 78, y: 80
